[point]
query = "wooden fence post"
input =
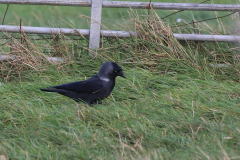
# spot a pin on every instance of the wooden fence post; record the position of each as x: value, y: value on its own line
x: 95, y: 26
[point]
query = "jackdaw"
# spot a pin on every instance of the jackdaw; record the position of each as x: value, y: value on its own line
x: 94, y: 89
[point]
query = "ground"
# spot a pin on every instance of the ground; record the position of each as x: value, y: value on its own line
x: 173, y: 104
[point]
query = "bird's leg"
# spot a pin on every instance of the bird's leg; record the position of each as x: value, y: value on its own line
x: 97, y: 102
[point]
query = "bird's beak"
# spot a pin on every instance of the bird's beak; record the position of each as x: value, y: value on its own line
x: 122, y: 74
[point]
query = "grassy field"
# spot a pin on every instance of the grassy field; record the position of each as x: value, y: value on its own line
x: 149, y: 115
x: 174, y: 104
x: 112, y: 18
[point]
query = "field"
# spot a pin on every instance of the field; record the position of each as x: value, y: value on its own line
x: 180, y: 100
x: 59, y: 16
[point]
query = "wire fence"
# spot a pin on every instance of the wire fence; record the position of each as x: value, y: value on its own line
x: 95, y: 32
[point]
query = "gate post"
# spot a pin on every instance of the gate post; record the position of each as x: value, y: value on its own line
x: 95, y: 26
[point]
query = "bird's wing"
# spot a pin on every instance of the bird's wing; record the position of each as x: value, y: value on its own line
x: 91, y: 85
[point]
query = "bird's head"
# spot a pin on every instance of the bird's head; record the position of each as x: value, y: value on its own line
x: 110, y: 70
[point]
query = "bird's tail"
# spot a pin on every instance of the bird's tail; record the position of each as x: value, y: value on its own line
x: 53, y: 90
x: 62, y: 92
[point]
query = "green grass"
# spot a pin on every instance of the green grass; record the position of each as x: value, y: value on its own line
x: 112, y: 18
x: 174, y: 116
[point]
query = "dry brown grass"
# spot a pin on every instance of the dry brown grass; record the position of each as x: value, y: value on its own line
x: 24, y: 53
x: 155, y: 47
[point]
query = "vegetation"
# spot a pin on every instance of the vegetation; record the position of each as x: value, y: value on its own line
x: 180, y: 99
x: 57, y: 16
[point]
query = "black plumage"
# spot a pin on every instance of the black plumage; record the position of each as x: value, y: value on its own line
x: 94, y: 89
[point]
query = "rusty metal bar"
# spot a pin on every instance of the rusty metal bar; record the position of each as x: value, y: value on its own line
x: 83, y: 3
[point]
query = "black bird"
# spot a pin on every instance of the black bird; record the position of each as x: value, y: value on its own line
x: 94, y: 89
